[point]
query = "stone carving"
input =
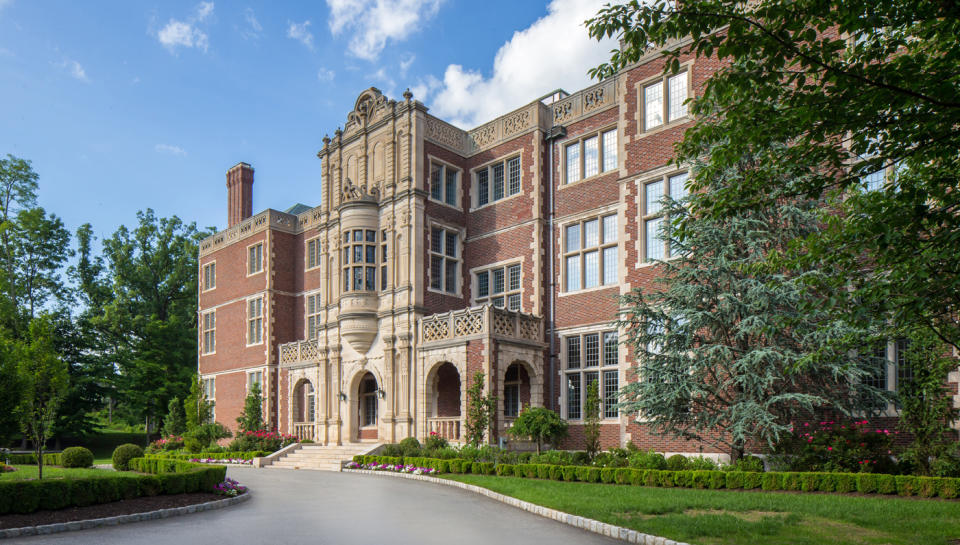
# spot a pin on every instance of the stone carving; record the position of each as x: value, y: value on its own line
x: 444, y: 134
x: 353, y: 192
x: 502, y: 324
x: 593, y: 99
x: 469, y: 324
x: 515, y: 123
x: 484, y: 135
x: 370, y: 104
x: 562, y: 111
x: 529, y: 328
x: 404, y: 218
x: 434, y: 330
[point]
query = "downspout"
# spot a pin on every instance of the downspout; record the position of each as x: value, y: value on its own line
x: 558, y: 131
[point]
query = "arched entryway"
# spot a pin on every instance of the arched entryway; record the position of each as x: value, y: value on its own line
x: 304, y: 410
x: 446, y: 401
x: 516, y: 390
x: 368, y: 398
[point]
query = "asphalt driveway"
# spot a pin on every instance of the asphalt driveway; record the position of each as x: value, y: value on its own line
x: 321, y: 507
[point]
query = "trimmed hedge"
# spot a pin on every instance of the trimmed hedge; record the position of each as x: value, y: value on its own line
x: 238, y: 455
x: 163, y: 477
x: 53, y: 459
x: 866, y: 483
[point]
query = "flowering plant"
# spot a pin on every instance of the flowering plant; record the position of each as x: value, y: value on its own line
x: 4, y: 468
x: 170, y: 442
x: 830, y: 445
x: 266, y: 440
x: 398, y: 468
x: 229, y: 487
x: 223, y: 461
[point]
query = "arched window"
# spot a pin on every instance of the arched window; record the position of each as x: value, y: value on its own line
x: 368, y: 401
x: 309, y: 402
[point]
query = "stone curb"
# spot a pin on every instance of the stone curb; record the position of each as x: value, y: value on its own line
x: 47, y: 529
x: 590, y: 525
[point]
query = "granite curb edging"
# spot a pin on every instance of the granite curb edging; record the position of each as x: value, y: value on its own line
x: 47, y: 529
x: 590, y: 525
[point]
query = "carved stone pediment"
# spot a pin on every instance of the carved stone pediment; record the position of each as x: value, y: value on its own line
x: 370, y: 105
x: 353, y: 192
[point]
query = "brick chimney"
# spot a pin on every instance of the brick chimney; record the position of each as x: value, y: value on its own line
x: 239, y: 193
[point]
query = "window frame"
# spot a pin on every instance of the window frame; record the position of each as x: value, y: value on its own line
x: 458, y: 182
x: 317, y: 297
x: 260, y: 317
x: 504, y: 162
x: 210, y: 383
x: 254, y: 373
x: 212, y: 267
x: 603, y: 369
x: 667, y: 181
x: 582, y: 155
x: 582, y: 250
x: 663, y: 81
x: 349, y: 265
x: 250, y: 271
x: 506, y: 293
x: 208, y: 328
x: 442, y: 254
x: 314, y: 254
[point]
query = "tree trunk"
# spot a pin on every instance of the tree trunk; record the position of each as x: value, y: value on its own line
x: 38, y: 448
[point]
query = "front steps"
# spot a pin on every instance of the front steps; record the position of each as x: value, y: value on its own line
x: 319, y: 457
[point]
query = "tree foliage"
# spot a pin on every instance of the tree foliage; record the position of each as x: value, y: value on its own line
x: 729, y: 342
x: 857, y: 87
x: 175, y: 422
x: 44, y: 379
x: 591, y: 420
x: 540, y: 425
x: 251, y: 418
x: 480, y: 411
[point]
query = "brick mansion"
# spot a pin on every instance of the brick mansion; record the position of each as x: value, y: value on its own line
x: 438, y: 252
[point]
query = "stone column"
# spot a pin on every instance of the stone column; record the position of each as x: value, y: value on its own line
x: 323, y: 401
x: 390, y: 387
x: 404, y: 422
x: 335, y: 383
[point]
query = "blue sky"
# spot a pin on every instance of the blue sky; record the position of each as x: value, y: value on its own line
x: 126, y: 105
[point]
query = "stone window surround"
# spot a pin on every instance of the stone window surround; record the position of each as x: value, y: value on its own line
x: 475, y: 186
x: 502, y: 264
x: 253, y: 373
x: 209, y: 390
x: 460, y: 231
x: 581, y: 331
x: 261, y: 267
x: 663, y: 176
x: 563, y: 183
x: 212, y: 266
x: 642, y: 131
x: 580, y: 217
x: 318, y: 307
x: 248, y: 318
x: 212, y: 330
x: 432, y: 160
x: 318, y: 259
x: 892, y: 352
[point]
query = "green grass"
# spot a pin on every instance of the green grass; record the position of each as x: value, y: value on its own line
x: 102, y: 445
x: 721, y: 517
x: 50, y: 472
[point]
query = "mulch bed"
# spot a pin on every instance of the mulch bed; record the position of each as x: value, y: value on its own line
x: 125, y: 507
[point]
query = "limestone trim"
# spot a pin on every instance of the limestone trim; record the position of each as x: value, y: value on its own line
x: 268, y: 219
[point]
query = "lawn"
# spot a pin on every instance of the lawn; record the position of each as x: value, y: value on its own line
x: 51, y: 472
x: 103, y: 444
x: 722, y: 517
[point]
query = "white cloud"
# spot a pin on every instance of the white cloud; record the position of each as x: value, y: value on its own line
x: 405, y: 62
x: 5, y: 3
x: 253, y: 28
x: 187, y: 33
x: 167, y: 148
x: 373, y: 22
x: 554, y: 51
x: 325, y: 74
x: 301, y: 33
x: 75, y: 69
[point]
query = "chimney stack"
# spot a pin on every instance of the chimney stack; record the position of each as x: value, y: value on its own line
x: 239, y: 193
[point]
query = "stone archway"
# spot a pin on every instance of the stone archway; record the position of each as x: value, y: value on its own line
x: 445, y: 399
x: 303, y: 409
x: 519, y: 385
x: 367, y: 409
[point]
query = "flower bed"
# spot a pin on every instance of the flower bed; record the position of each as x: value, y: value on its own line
x: 240, y: 461
x: 236, y: 457
x: 396, y: 468
x: 229, y: 487
x: 866, y: 483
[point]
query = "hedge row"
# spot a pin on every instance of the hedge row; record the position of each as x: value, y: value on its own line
x: 31, y: 459
x: 164, y: 477
x: 237, y: 455
x: 867, y: 483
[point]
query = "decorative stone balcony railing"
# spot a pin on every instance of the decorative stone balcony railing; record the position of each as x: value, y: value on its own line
x: 448, y: 427
x: 481, y: 320
x: 299, y: 351
x: 305, y: 430
x: 267, y: 219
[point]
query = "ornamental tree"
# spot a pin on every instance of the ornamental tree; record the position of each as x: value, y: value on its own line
x: 858, y: 88
x: 43, y: 376
x: 480, y: 411
x: 251, y: 419
x: 730, y: 343
x: 591, y: 420
x: 540, y: 425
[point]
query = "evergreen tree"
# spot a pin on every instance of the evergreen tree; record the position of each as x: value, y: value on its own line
x: 251, y: 419
x: 480, y: 410
x: 591, y: 420
x: 731, y: 344
x: 197, y: 409
x: 176, y: 421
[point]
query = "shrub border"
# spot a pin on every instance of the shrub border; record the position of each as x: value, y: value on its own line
x: 232, y: 455
x: 865, y: 483
x: 47, y: 529
x: 163, y: 477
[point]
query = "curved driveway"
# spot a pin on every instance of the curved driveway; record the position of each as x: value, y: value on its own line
x: 322, y: 507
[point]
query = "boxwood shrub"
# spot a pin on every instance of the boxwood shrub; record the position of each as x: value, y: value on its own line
x: 76, y: 457
x: 162, y: 477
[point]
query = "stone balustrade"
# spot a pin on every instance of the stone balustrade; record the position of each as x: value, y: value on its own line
x: 299, y: 351
x: 448, y: 427
x: 305, y: 430
x: 481, y: 320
